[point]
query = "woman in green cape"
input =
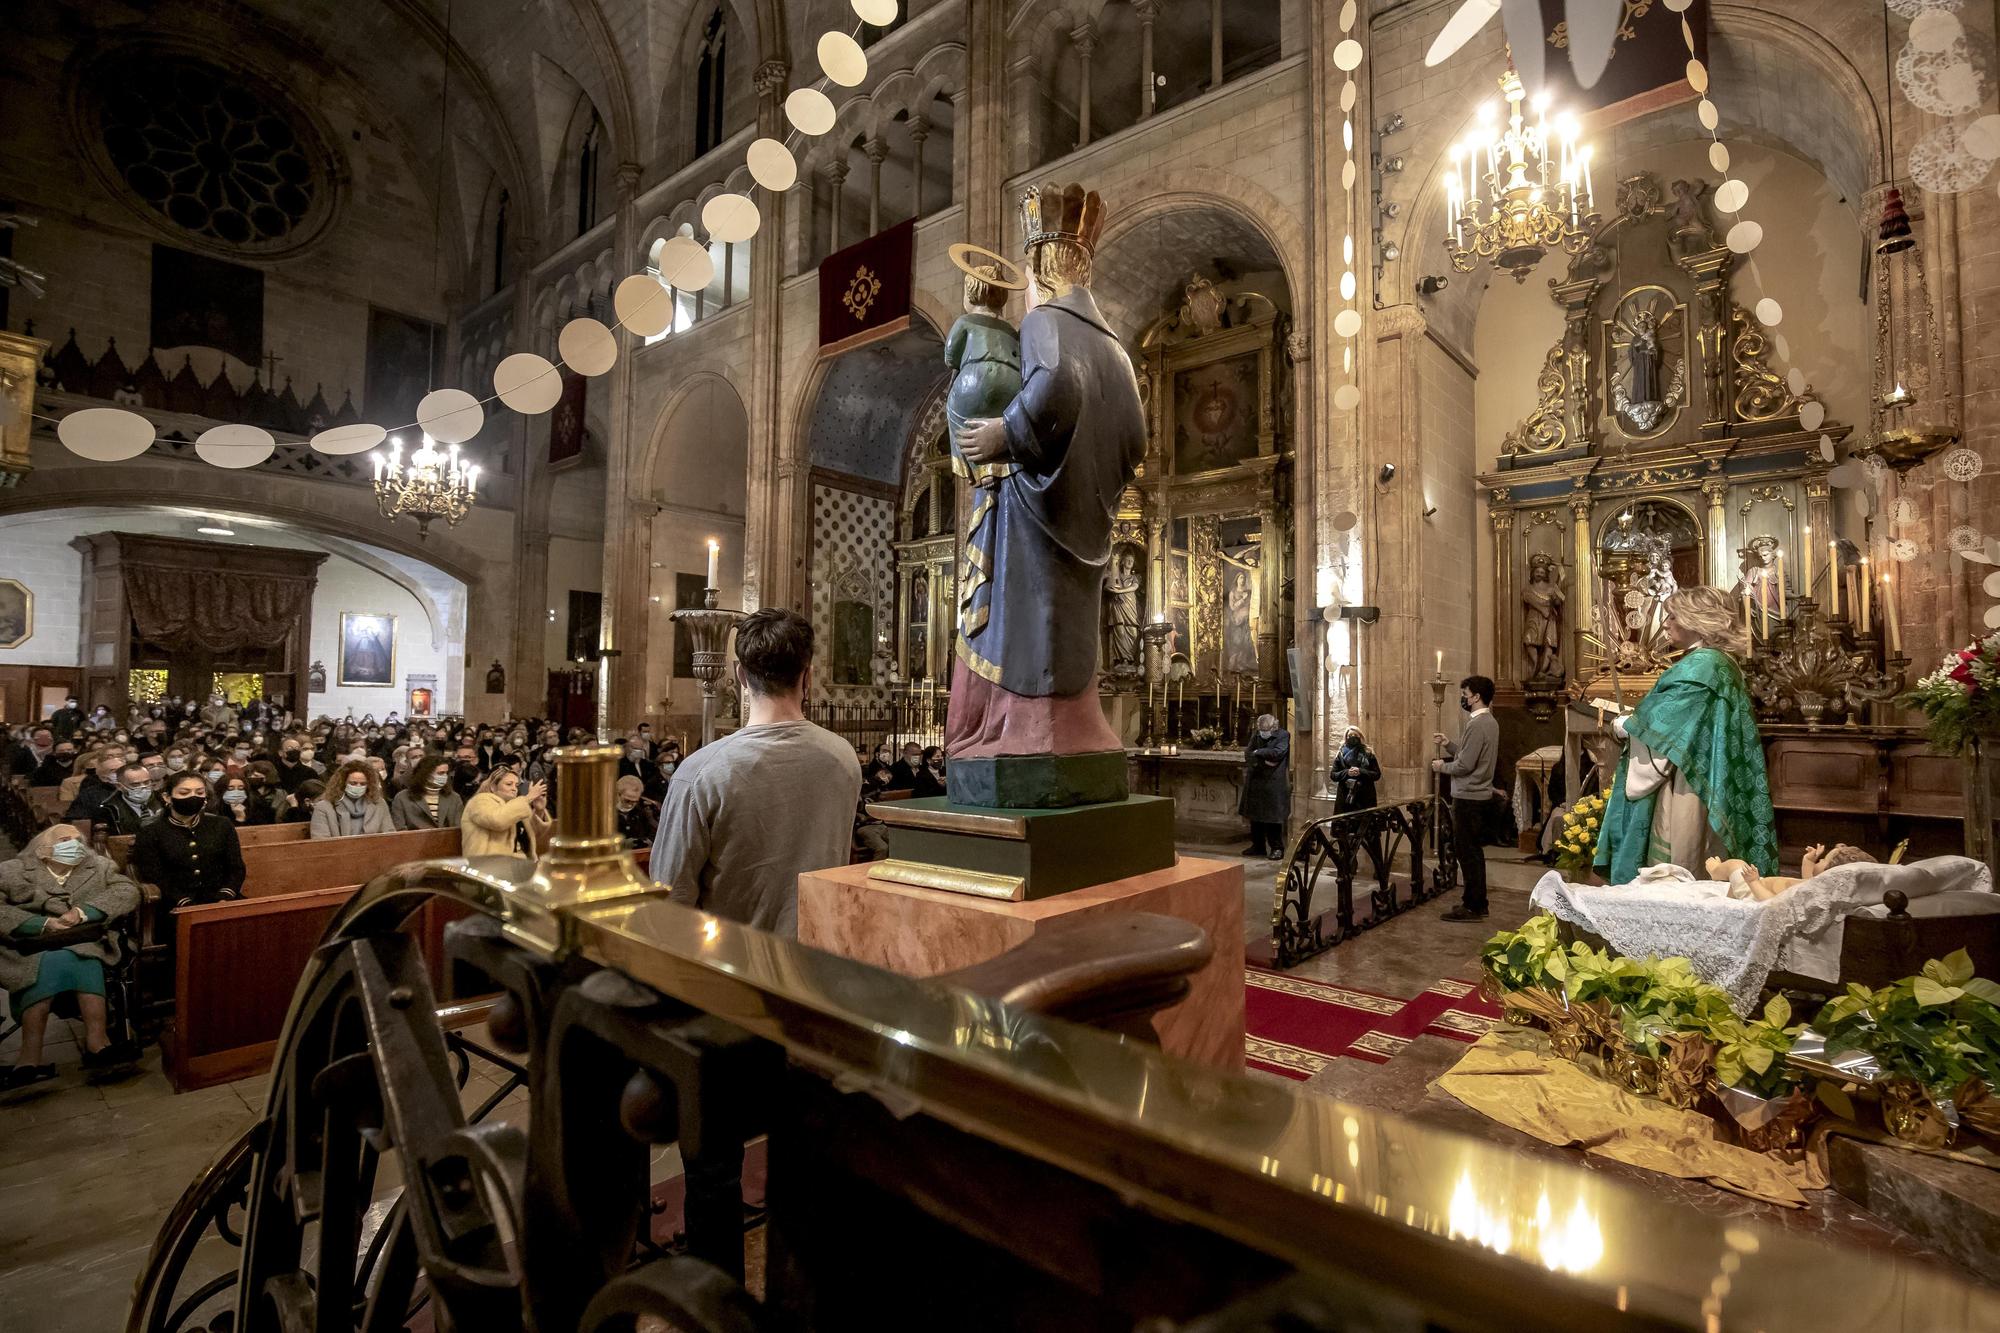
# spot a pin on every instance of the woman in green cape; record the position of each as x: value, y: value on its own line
x: 1692, y: 784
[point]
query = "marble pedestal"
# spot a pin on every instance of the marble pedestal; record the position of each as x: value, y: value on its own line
x: 922, y: 932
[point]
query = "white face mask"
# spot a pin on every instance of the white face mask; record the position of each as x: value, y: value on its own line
x: 215, y: 775
x: 356, y: 791
x: 68, y: 852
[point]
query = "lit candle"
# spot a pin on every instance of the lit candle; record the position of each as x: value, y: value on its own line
x: 1239, y: 694
x: 1833, y: 578
x: 714, y: 559
x: 1805, y: 564
x: 1780, y: 580
x: 1895, y: 621
x: 1440, y: 661
x: 1764, y: 605
x: 1867, y: 597
x: 1748, y: 631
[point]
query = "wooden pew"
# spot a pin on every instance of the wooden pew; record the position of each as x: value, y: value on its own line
x: 47, y: 803
x: 250, y: 835
x: 295, y: 866
x: 237, y: 964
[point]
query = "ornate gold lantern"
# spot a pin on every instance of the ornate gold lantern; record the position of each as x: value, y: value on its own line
x: 1914, y: 413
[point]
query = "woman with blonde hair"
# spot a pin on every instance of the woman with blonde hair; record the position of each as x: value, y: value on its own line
x: 58, y: 884
x: 1692, y: 783
x: 501, y: 819
x: 352, y: 803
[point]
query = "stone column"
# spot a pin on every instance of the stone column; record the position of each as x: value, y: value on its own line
x: 1214, y: 44
x: 1583, y: 595
x: 1396, y: 652
x: 527, y: 668
x: 920, y: 130
x: 1508, y: 667
x: 878, y: 153
x: 1819, y: 513
x: 622, y: 681
x: 1721, y: 558
x: 1084, y: 39
x: 769, y: 543
x: 836, y: 174
x: 1147, y: 11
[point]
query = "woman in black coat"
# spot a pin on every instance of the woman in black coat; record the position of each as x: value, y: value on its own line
x: 1267, y: 788
x: 1356, y: 770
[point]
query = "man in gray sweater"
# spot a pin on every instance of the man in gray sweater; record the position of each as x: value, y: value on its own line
x: 745, y: 816
x: 1469, y: 764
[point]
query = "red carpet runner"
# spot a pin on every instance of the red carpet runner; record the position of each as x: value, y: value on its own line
x: 1296, y: 1027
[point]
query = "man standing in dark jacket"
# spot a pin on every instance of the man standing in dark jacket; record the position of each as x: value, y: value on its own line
x: 1267, y: 788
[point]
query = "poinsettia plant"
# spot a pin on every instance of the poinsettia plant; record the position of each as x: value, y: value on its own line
x: 1962, y: 697
x: 1751, y: 1054
x: 1938, y: 1028
x: 1519, y: 959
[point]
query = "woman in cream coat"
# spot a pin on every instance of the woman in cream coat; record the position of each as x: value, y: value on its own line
x: 503, y: 820
x: 58, y: 884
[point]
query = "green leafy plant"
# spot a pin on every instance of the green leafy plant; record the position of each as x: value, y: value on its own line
x: 1751, y: 1054
x: 1593, y: 974
x: 1519, y: 959
x: 1674, y: 1000
x: 1961, y: 698
x: 1938, y: 1028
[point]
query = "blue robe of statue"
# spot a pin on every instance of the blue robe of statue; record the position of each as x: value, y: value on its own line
x: 1032, y: 598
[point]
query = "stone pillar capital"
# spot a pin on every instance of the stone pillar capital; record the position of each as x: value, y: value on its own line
x: 771, y: 77
x: 1579, y: 505
x: 877, y: 150
x: 920, y: 128
x: 1146, y: 10
x: 836, y: 171
x: 625, y: 180
x: 1084, y: 37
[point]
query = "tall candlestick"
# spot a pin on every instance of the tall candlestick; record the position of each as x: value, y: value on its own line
x: 1895, y: 620
x: 1867, y: 596
x: 1749, y: 632
x: 1833, y: 578
x: 714, y: 559
x: 1781, y: 583
x: 1764, y: 605
x: 1805, y: 564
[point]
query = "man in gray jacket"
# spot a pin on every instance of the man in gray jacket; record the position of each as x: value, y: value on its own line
x: 1469, y: 764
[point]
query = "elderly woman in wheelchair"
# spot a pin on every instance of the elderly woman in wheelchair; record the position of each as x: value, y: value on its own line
x: 61, y: 908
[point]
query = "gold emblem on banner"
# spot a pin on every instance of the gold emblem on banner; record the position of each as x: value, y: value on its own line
x: 861, y: 292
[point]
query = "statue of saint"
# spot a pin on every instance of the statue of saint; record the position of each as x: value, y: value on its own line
x: 984, y: 354
x: 1122, y: 614
x: 1542, y: 617
x: 1024, y: 682
x: 1642, y: 357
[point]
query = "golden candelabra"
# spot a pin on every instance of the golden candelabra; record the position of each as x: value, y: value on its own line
x: 431, y: 485
x: 1533, y: 196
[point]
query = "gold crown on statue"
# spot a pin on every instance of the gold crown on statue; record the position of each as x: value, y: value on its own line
x: 1062, y: 213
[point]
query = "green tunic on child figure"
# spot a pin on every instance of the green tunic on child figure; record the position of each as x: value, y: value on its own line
x: 984, y: 353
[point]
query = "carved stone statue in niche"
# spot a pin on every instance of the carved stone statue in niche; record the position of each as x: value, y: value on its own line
x: 1542, y: 618
x: 1122, y: 650
x: 1652, y: 381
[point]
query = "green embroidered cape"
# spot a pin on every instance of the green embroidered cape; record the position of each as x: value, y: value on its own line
x: 1698, y: 718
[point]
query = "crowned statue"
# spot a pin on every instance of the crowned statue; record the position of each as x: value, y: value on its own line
x: 1026, y: 726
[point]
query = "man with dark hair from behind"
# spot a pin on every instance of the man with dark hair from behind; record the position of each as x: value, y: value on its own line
x: 745, y: 816
x: 1469, y: 764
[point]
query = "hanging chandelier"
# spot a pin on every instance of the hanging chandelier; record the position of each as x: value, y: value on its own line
x: 431, y: 485
x: 1517, y: 190
x: 1914, y: 412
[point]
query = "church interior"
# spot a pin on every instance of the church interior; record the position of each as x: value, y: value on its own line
x: 1009, y: 664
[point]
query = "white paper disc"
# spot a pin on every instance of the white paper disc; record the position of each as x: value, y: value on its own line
x: 1992, y: 617
x: 1826, y: 449
x: 358, y: 438
x: 1346, y: 521
x: 1347, y: 15
x: 1864, y: 502
x: 1697, y: 75
x: 1731, y: 195
x: 881, y: 13
x: 1811, y: 413
x: 1991, y: 584
x: 1781, y: 346
x: 1347, y: 285
x: 643, y: 305
x: 683, y: 263
x: 731, y: 218
x: 527, y: 383
x: 1847, y: 476
x: 450, y: 416
x: 1770, y: 313
x: 1347, y: 174
x: 1935, y: 29
x: 1982, y: 138
x: 1347, y: 56
x: 1347, y: 323
x: 1346, y: 397
x: 1679, y: 6
x: 1745, y: 236
x: 772, y: 165
x: 1795, y: 380
x: 1718, y: 155
x: 1710, y: 118
x: 105, y: 434
x: 842, y: 58
x: 587, y: 347
x: 1460, y: 28
x: 809, y: 110
x: 234, y: 446
x: 1348, y: 92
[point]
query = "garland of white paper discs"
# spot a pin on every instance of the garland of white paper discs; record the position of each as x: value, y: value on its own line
x: 526, y: 382
x: 1347, y: 322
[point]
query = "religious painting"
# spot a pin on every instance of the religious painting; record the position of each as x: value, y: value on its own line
x: 367, y: 649
x: 1215, y: 414
x: 204, y: 302
x: 420, y: 702
x: 567, y: 422
x: 1177, y: 579
x: 585, y: 641
x: 853, y: 643
x: 1239, y: 613
x: 17, y: 613
x: 405, y: 357
x: 690, y: 591
x: 917, y: 622
x: 1646, y: 357
x: 315, y: 678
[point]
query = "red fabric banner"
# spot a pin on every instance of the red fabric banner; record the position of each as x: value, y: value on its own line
x: 864, y: 290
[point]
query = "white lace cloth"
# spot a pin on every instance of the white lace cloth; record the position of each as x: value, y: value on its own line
x: 1736, y: 943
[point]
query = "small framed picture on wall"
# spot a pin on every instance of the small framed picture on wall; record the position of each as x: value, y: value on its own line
x: 367, y: 648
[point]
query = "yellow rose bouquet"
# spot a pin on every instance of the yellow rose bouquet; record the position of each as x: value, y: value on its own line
x: 1576, y: 844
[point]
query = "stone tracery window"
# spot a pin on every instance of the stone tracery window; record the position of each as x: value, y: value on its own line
x: 711, y: 83
x: 209, y: 152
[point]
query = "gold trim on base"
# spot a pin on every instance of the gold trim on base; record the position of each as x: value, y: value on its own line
x: 950, y: 879
x: 897, y: 815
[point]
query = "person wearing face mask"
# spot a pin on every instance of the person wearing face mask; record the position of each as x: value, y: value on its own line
x: 352, y: 804
x: 35, y: 762
x: 99, y: 785
x: 638, y: 818
x: 1267, y: 788
x: 135, y: 805
x: 193, y: 856
x: 903, y: 773
x: 428, y: 801
x: 65, y: 720
x: 637, y: 762
x: 293, y: 771
x: 59, y: 884
x: 240, y: 806
x: 880, y: 771
x: 297, y: 807
x: 1469, y: 763
x: 214, y: 772
x: 176, y: 760
x: 930, y: 772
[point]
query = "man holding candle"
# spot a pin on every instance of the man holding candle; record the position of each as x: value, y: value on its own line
x: 1469, y: 763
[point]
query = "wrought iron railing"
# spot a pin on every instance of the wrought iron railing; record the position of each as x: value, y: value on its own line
x: 1409, y: 834
x: 936, y: 1158
x: 906, y: 716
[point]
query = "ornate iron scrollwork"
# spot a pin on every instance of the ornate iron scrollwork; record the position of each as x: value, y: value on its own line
x: 1337, y: 843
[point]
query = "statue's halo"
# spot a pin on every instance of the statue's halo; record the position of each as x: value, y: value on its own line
x: 963, y: 253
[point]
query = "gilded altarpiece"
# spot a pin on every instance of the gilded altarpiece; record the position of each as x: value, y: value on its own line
x: 1665, y: 449
x: 925, y: 614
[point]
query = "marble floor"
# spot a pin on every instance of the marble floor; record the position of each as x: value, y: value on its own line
x: 89, y: 1165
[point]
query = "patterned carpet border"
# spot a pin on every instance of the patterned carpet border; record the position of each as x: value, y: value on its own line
x: 1295, y: 1027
